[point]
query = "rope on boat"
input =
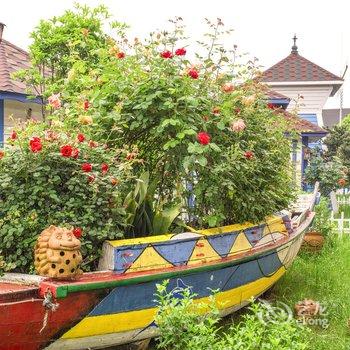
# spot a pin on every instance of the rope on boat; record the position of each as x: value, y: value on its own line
x: 49, y: 305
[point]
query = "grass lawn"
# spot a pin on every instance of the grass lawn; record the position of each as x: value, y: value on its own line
x: 323, y: 277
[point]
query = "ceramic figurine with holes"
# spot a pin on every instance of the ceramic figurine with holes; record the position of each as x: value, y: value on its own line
x: 57, y: 253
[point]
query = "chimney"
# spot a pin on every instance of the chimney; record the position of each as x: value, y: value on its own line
x: 2, y: 26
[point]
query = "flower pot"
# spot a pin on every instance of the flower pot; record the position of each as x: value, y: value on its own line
x: 313, y: 240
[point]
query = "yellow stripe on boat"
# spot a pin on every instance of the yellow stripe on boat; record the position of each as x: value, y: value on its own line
x: 275, y: 223
x: 126, y: 321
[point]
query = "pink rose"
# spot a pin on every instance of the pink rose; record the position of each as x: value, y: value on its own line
x: 54, y: 101
x: 238, y: 125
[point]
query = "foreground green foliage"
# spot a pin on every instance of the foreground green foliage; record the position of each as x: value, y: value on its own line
x: 323, y: 277
x: 49, y: 177
x: 187, y: 325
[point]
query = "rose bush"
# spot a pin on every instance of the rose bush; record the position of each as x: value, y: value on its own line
x: 200, y: 122
x: 52, y: 176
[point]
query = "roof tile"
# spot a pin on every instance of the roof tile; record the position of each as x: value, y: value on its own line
x: 297, y: 68
x: 12, y: 58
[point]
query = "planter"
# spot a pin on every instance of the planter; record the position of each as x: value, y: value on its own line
x: 313, y: 240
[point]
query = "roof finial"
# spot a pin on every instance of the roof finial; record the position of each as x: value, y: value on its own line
x: 295, y: 47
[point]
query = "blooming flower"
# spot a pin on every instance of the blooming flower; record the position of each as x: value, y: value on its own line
x: 77, y: 232
x: 54, y: 101
x: 86, y: 167
x: 81, y: 137
x: 203, y: 138
x: 248, y: 154
x: 86, y: 105
x: 193, y: 73
x: 166, y: 54
x: 130, y: 155
x: 2, y: 153
x: 120, y: 55
x: 91, y: 178
x: 75, y: 153
x: 238, y: 125
x: 93, y: 144
x: 341, y: 182
x: 104, y: 168
x: 180, y: 52
x: 271, y: 106
x: 85, y: 119
x: 35, y: 144
x: 66, y: 150
x: 227, y: 87
x: 216, y: 110
x: 114, y: 181
x: 13, y: 135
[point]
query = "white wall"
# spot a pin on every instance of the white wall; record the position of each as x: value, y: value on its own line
x: 314, y: 99
x: 15, y: 111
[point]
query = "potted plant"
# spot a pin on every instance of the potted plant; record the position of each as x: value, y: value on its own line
x: 322, y: 226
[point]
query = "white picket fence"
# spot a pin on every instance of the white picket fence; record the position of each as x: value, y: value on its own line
x: 340, y: 197
x: 342, y: 224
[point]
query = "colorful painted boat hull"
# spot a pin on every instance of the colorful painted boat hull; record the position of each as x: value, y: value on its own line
x: 238, y: 261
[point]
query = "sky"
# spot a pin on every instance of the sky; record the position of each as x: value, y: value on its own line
x: 263, y: 29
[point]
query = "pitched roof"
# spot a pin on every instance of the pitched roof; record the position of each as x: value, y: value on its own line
x: 302, y: 125
x: 12, y: 58
x: 272, y: 94
x: 296, y: 68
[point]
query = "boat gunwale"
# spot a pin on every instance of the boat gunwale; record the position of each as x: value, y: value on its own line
x: 61, y: 289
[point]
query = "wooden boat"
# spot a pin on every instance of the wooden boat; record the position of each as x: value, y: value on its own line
x: 116, y: 305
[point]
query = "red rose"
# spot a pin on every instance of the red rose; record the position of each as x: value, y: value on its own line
x: 104, y: 167
x: 66, y: 150
x: 87, y: 167
x: 193, y: 73
x: 180, y: 52
x: 2, y: 153
x: 271, y: 106
x: 80, y: 137
x: 13, y: 135
x: 91, y: 178
x: 203, y: 138
x: 75, y: 153
x: 166, y: 54
x: 77, y: 232
x: 35, y: 144
x: 249, y: 154
x: 120, y: 55
x: 86, y: 105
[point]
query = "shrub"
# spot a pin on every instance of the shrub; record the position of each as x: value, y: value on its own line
x: 328, y: 173
x: 49, y: 176
x: 203, y: 128
x: 186, y: 324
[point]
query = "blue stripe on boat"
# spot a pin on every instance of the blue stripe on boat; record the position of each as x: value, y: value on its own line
x: 141, y: 296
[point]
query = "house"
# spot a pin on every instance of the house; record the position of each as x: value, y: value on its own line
x: 15, y: 101
x: 307, y: 86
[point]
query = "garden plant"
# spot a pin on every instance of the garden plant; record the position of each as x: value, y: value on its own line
x: 172, y: 136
